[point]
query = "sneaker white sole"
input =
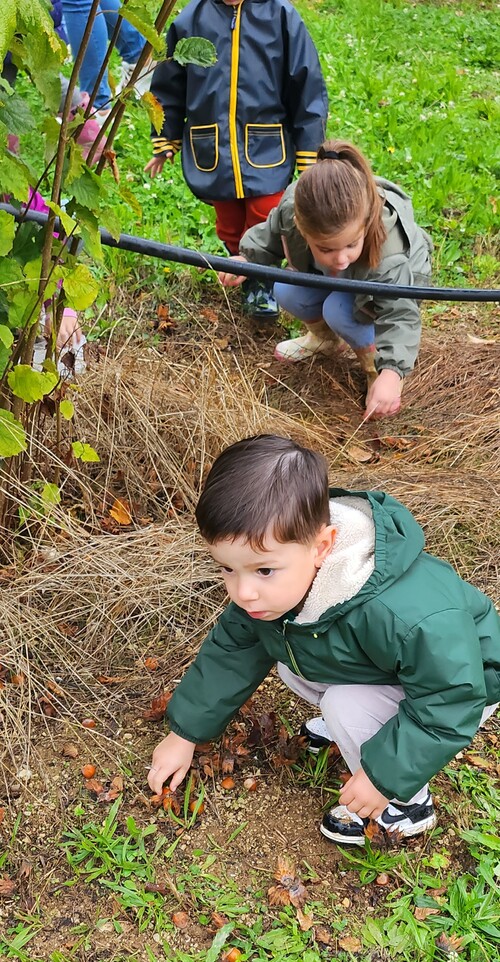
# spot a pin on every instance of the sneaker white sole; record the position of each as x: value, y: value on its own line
x: 410, y: 830
x: 342, y: 839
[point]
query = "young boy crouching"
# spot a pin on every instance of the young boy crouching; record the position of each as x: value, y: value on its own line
x: 400, y: 656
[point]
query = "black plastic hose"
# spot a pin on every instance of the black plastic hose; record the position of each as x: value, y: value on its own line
x: 181, y: 255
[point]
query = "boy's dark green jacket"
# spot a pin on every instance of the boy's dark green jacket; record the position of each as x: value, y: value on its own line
x: 414, y: 623
x: 244, y: 122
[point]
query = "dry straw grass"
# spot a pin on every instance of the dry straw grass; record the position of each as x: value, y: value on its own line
x: 84, y: 598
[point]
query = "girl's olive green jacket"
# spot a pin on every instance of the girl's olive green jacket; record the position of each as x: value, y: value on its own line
x: 405, y: 260
x: 414, y: 623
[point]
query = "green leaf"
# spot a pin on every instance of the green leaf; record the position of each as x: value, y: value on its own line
x: 86, y: 189
x: 74, y: 164
x: 129, y: 197
x: 12, y: 435
x: 80, y: 287
x: 14, y: 178
x: 6, y: 335
x: 7, y: 232
x: 37, y: 47
x: 89, y: 230
x: 70, y: 225
x: 23, y: 304
x: 138, y: 13
x: 195, y: 50
x: 67, y: 409
x: 15, y: 112
x: 84, y: 452
x: 28, y: 242
x: 52, y: 130
x: 110, y: 221
x: 7, y: 26
x: 219, y: 940
x: 30, y: 385
x: 50, y: 494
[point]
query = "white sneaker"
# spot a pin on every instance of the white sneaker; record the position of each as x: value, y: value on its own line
x: 143, y: 82
x: 302, y: 348
x: 317, y: 733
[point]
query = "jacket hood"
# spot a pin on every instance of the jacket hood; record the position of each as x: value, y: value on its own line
x: 377, y: 559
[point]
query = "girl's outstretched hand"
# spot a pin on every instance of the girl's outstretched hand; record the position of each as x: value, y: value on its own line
x: 172, y: 757
x: 384, y: 395
x: 361, y: 797
x: 232, y: 280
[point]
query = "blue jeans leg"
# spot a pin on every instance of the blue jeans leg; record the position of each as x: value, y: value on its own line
x: 338, y: 312
x: 306, y: 303
x: 129, y: 42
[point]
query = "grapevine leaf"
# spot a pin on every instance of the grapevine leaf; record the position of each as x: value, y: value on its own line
x: 7, y: 232
x: 67, y: 409
x: 6, y: 336
x: 80, y: 287
x: 84, y: 452
x: 12, y: 435
x: 30, y: 385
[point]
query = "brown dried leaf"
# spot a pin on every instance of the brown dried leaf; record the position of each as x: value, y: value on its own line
x: 111, y: 159
x: 120, y: 511
x: 359, y: 454
x: 25, y: 869
x: 478, y: 762
x: 306, y: 922
x: 421, y: 912
x: 227, y: 764
x: 69, y: 750
x: 298, y: 893
x: 350, y: 944
x: 7, y: 887
x: 180, y: 919
x: 111, y: 679
x: 159, y: 887
x: 2, y: 815
x: 92, y: 785
x: 322, y: 935
x: 278, y: 895
x: 285, y: 871
x: 151, y: 663
x: 158, y: 707
x: 449, y: 943
x: 219, y: 919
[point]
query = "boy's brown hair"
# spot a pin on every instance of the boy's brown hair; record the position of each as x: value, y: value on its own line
x: 339, y: 190
x: 265, y: 484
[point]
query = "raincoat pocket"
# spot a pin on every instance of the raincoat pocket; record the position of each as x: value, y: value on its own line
x: 264, y: 145
x: 205, y: 146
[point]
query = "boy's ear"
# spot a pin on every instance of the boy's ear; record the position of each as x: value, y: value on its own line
x: 324, y: 543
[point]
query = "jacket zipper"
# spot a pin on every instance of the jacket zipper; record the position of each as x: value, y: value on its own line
x: 290, y: 652
x: 233, y: 100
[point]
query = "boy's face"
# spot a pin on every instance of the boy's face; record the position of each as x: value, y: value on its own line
x: 268, y: 583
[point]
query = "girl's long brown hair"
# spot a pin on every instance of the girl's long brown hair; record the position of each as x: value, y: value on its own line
x: 339, y: 190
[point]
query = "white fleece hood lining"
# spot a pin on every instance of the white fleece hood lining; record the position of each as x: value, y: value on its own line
x: 350, y: 562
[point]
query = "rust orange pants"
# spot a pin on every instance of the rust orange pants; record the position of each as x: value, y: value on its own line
x: 234, y: 217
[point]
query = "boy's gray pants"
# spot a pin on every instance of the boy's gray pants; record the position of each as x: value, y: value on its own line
x: 353, y: 713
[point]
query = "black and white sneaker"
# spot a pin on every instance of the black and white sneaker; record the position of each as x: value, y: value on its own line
x: 317, y: 733
x: 344, y: 827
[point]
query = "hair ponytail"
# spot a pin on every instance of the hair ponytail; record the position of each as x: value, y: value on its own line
x: 337, y: 191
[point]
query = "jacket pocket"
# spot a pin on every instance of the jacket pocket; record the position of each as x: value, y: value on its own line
x: 205, y: 146
x: 264, y: 145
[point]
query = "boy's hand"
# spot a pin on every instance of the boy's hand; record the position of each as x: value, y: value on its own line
x: 361, y: 797
x: 232, y: 280
x: 384, y: 396
x: 172, y: 756
x: 156, y: 164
